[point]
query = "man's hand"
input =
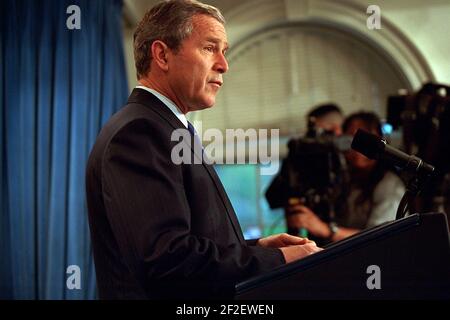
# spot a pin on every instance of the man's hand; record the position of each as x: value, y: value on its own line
x: 292, y: 247
x: 281, y: 240
x: 293, y: 253
x: 299, y: 216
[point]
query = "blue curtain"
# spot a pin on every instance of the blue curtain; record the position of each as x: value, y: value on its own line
x: 57, y: 88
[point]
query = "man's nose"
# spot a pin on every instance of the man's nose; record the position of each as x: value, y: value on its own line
x: 221, y: 64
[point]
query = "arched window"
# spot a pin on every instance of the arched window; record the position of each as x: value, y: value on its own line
x: 277, y: 75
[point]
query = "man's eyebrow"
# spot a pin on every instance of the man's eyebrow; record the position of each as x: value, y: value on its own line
x: 217, y: 41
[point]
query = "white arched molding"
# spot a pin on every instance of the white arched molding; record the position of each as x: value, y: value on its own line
x: 253, y: 17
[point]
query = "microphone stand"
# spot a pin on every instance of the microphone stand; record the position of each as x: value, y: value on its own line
x: 413, y: 188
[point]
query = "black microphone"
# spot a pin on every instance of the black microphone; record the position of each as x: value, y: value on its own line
x: 373, y: 147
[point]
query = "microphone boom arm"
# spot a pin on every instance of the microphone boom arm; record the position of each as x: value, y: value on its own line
x: 376, y: 148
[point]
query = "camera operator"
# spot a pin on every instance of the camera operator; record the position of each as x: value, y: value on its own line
x: 298, y: 177
x: 373, y: 197
x: 326, y: 118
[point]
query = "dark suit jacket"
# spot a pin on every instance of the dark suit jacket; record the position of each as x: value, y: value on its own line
x: 161, y: 230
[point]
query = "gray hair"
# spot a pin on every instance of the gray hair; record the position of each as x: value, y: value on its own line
x: 170, y: 22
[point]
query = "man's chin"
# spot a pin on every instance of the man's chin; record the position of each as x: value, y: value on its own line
x: 206, y: 104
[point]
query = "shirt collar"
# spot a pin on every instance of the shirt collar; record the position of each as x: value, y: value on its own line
x: 168, y: 103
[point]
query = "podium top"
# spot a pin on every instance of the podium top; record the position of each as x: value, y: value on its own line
x: 344, y: 246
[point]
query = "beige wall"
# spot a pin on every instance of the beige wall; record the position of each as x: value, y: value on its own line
x: 426, y: 25
x: 128, y: 46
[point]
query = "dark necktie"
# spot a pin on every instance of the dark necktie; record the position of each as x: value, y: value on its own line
x: 198, y: 147
x: 192, y: 129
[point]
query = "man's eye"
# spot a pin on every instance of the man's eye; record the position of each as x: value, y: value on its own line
x: 210, y: 49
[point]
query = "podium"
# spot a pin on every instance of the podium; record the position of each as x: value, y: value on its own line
x: 404, y: 259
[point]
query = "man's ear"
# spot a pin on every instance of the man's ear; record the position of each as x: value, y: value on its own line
x: 159, y: 54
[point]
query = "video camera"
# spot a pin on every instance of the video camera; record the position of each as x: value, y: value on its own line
x: 314, y: 171
x: 424, y: 117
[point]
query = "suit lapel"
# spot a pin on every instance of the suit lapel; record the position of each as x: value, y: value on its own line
x: 143, y: 97
x: 146, y: 98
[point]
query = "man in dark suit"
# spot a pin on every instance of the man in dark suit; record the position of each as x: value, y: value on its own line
x: 161, y: 229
